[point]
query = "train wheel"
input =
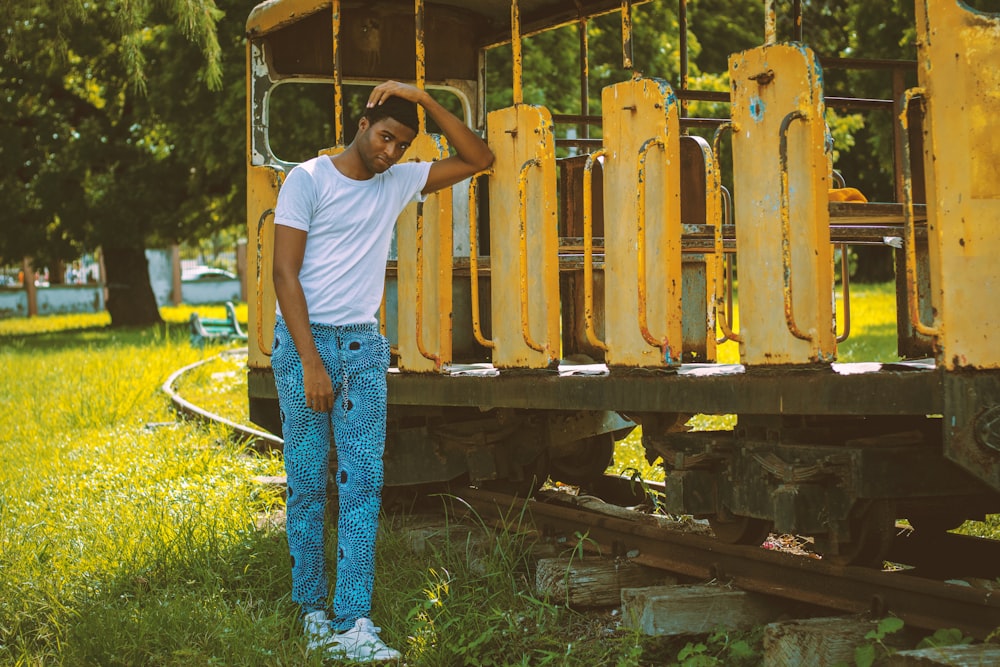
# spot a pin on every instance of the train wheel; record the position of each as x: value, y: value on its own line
x: 740, y: 529
x: 588, y: 463
x: 872, y: 529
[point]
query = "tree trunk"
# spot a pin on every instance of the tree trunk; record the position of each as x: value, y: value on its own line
x: 131, y: 301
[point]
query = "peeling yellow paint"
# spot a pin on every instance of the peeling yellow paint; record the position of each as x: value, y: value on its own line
x: 524, y: 277
x: 643, y: 326
x: 958, y: 50
x: 780, y: 203
x: 424, y: 270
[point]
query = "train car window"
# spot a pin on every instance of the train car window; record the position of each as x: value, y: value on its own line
x: 300, y: 119
x: 451, y: 101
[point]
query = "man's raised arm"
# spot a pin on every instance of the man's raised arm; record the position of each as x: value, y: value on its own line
x: 472, y: 153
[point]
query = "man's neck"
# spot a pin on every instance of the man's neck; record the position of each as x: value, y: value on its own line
x: 350, y: 164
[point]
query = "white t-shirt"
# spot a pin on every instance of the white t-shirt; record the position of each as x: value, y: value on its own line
x: 350, y: 225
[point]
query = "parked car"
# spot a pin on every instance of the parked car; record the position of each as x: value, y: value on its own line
x: 207, y: 273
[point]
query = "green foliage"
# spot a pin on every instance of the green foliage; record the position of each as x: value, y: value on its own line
x: 866, y: 654
x: 945, y: 637
x: 122, y: 128
x: 721, y: 648
x: 722, y: 29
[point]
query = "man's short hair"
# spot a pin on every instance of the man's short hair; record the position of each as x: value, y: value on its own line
x: 400, y: 110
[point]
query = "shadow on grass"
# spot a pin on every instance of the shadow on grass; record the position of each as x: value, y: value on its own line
x: 97, y: 336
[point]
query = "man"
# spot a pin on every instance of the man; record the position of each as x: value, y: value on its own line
x: 333, y: 226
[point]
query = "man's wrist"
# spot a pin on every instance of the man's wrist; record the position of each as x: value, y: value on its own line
x: 424, y: 99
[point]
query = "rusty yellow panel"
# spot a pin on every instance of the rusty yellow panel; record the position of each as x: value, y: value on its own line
x: 642, y: 222
x: 268, y: 16
x: 262, y: 195
x: 524, y: 238
x: 781, y: 209
x: 958, y: 53
x: 425, y: 288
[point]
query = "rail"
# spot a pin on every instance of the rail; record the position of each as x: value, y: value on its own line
x: 786, y: 252
x: 477, y: 330
x: 909, y: 234
x: 187, y: 408
x: 723, y: 303
x: 920, y: 602
x: 522, y: 219
x: 421, y: 347
x: 590, y: 330
x: 640, y: 216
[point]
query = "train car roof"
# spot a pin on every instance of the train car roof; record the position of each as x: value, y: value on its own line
x: 493, y: 15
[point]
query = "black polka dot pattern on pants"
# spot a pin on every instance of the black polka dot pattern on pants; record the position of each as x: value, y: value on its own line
x: 356, y: 357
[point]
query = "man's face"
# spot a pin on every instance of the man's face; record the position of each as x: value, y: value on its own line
x: 382, y: 143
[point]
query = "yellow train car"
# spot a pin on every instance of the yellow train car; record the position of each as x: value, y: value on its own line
x: 582, y: 287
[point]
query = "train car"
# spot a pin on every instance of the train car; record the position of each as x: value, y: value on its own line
x: 583, y: 286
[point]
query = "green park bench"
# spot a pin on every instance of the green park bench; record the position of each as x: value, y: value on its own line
x: 220, y: 331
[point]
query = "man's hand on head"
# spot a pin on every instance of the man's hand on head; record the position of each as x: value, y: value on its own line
x: 384, y: 91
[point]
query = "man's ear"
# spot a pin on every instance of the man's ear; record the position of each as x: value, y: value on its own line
x: 363, y: 124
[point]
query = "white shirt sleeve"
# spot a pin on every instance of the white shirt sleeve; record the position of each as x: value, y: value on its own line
x: 418, y: 174
x: 296, y: 200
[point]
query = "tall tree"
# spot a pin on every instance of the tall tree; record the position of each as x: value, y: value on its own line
x: 88, y: 159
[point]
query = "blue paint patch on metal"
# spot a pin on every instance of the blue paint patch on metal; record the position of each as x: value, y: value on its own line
x: 816, y: 71
x: 665, y: 89
x: 757, y: 108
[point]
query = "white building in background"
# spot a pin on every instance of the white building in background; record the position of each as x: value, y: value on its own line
x: 83, y: 293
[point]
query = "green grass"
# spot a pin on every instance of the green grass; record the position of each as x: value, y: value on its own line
x: 126, y: 536
x: 129, y: 537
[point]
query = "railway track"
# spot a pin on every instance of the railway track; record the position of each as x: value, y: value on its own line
x: 920, y: 601
x: 261, y: 440
x: 925, y: 593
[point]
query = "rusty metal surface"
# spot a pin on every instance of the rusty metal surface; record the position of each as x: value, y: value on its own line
x: 919, y: 602
x: 525, y: 278
x: 642, y: 241
x: 376, y: 39
x: 773, y: 392
x: 957, y: 50
x: 517, y: 61
x: 490, y: 19
x: 262, y: 194
x: 336, y: 19
x: 972, y: 428
x: 819, y: 392
x: 424, y: 268
x: 781, y: 206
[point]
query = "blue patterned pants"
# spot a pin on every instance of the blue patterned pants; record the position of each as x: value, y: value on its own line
x: 356, y: 356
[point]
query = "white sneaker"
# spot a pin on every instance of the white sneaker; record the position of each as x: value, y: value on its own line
x: 317, y: 630
x: 360, y: 644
